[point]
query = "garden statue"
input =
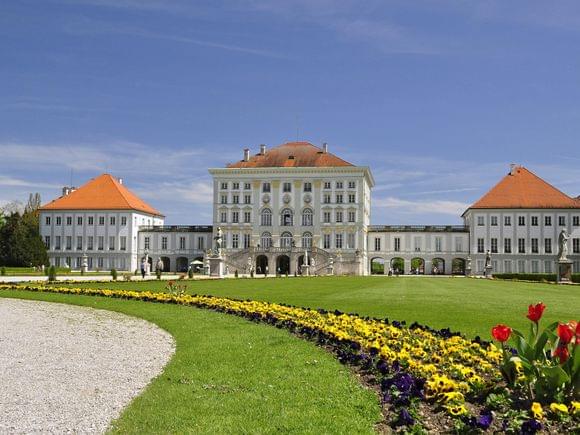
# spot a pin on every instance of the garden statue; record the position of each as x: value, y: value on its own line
x: 487, y: 259
x: 218, y: 241
x: 563, y: 245
x: 159, y: 266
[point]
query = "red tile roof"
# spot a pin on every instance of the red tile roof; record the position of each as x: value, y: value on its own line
x: 292, y: 154
x: 522, y: 188
x: 104, y: 192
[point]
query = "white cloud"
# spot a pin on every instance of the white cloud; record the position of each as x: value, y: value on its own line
x: 454, y: 208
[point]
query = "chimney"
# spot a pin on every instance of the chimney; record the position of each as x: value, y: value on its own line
x: 324, y: 147
x: 263, y: 149
x: 246, y: 154
x: 120, y: 181
x: 513, y: 168
x: 65, y: 191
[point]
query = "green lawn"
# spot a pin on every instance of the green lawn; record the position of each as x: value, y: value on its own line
x: 229, y: 375
x: 471, y: 306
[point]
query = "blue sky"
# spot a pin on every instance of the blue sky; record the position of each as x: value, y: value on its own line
x: 437, y: 97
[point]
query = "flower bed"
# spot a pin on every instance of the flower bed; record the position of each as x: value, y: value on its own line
x: 432, y: 380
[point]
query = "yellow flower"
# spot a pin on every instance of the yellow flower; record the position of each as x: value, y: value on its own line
x: 456, y: 409
x: 558, y: 408
x: 575, y: 408
x: 537, y: 410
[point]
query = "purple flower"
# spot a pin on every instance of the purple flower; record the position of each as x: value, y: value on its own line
x: 531, y: 427
x: 403, y: 382
x: 383, y: 367
x: 484, y: 420
x: 405, y: 419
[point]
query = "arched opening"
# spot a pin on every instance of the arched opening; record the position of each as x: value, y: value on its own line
x: 377, y: 266
x: 438, y: 266
x: 181, y: 264
x: 262, y: 264
x: 266, y: 218
x: 458, y: 266
x: 286, y: 240
x: 166, y: 264
x: 307, y: 217
x: 397, y: 266
x: 286, y: 218
x: 417, y: 266
x: 307, y: 240
x: 283, y: 265
x: 266, y: 240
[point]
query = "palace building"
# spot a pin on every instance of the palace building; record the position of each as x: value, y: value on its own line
x: 298, y: 205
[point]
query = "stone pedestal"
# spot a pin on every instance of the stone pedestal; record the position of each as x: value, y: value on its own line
x: 305, y: 270
x: 216, y: 267
x: 85, y: 264
x: 488, y: 273
x: 564, y: 271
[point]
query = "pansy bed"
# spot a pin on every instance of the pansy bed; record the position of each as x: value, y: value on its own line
x: 428, y: 380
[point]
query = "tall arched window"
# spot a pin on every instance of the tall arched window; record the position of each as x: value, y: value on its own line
x: 286, y: 240
x: 266, y: 218
x: 266, y: 240
x: 307, y: 240
x: 286, y: 218
x: 307, y: 218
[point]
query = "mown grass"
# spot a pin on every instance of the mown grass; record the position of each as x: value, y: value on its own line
x: 471, y: 306
x: 229, y: 375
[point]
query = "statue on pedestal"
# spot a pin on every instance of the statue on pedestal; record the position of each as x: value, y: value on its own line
x: 563, y: 245
x: 218, y: 241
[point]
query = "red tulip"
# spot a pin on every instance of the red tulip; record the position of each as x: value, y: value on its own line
x: 535, y: 311
x: 562, y: 353
x: 577, y: 333
x: 501, y: 332
x: 566, y: 333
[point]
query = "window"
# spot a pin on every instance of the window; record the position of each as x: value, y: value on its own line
x: 247, y: 240
x: 521, y: 221
x: 377, y: 243
x: 236, y: 199
x: 534, y: 221
x: 266, y: 218
x: 235, y: 241
x: 100, y: 262
x: 352, y: 216
x: 124, y: 221
x: 247, y: 217
x: 480, y: 246
x: 339, y: 184
x: 352, y: 184
x: 507, y: 221
x: 247, y: 199
x: 548, y: 221
x: 164, y: 243
x: 338, y: 240
x: 534, y: 243
x: 123, y: 243
x: 494, y: 221
x: 507, y: 266
x: 535, y: 266
x: 480, y: 221
x: 47, y: 242
x: 521, y: 266
x: 438, y: 244
x: 351, y: 198
x: 286, y: 218
x: 101, y: 220
x: 561, y: 221
x: 90, y: 243
x: 200, y: 243
x: 576, y: 245
x: 307, y: 217
x: 286, y: 240
x: 90, y: 220
x: 266, y: 240
x: 327, y: 184
x: 339, y: 216
x: 224, y: 199
x: 521, y: 246
x: 112, y: 220
x: 507, y: 246
x: 307, y: 240
x: 397, y: 244
x: 350, y: 241
x: 147, y: 243
x: 79, y: 220
x: 57, y: 243
x: 287, y: 187
x: 181, y: 242
x: 224, y: 185
x: 308, y: 187
x: 223, y: 217
x: 47, y: 220
x: 326, y: 217
x: 68, y: 243
x: 235, y: 217
x: 326, y: 241
x: 339, y: 198
x: 247, y: 186
x: 101, y: 243
x: 58, y: 220
x: 79, y: 243
x: 547, y: 266
x: 236, y: 186
x: 69, y: 220
x: 266, y: 187
x: 576, y: 221
x: 547, y: 246
x: 326, y: 199
x: 458, y: 244
x: 111, y: 243
x: 417, y: 244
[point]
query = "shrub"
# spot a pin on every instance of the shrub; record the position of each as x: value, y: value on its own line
x: 190, y: 272
x: 2, y: 271
x: 158, y: 273
x: 136, y: 272
x: 52, y: 274
x: 539, y: 277
x: 127, y: 276
x: 114, y: 274
x: 236, y: 273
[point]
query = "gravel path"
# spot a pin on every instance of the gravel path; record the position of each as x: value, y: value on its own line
x: 72, y: 369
